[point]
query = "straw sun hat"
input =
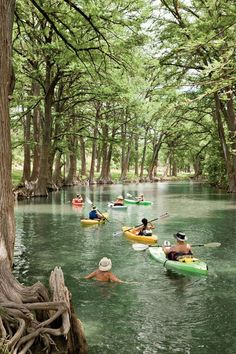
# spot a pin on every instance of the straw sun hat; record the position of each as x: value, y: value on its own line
x: 120, y: 197
x: 105, y: 264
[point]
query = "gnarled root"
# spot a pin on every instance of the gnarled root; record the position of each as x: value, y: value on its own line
x: 28, y: 319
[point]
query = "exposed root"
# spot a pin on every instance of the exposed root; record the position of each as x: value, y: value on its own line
x: 28, y: 319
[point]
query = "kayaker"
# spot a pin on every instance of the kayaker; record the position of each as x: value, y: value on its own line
x: 140, y: 198
x: 180, y: 249
x: 94, y: 214
x: 103, y: 272
x: 119, y: 201
x: 79, y: 198
x: 145, y: 229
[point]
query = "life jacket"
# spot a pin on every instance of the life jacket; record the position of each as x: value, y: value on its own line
x: 177, y: 256
x: 145, y: 232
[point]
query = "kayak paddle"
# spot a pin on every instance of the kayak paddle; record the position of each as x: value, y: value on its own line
x: 118, y: 233
x: 142, y: 247
x: 91, y: 203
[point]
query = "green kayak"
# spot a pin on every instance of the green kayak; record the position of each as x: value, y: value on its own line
x: 133, y: 201
x: 192, y: 266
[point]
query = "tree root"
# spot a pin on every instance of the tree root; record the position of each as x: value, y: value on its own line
x: 28, y: 319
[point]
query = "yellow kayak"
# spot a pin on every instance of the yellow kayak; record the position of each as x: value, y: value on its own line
x: 142, y: 239
x: 88, y: 221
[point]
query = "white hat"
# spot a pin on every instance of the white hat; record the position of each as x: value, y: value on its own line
x: 120, y: 197
x: 180, y: 236
x: 105, y: 264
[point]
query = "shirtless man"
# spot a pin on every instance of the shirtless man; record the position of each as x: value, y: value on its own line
x: 103, y: 272
x: 181, y: 248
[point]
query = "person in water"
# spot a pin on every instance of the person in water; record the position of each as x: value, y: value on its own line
x: 103, y: 272
x: 145, y: 229
x: 119, y: 201
x: 181, y: 248
x: 94, y: 214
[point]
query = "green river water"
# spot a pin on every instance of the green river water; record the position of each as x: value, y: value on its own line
x: 158, y: 311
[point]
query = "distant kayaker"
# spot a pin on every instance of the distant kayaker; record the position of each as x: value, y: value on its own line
x: 94, y: 214
x: 145, y: 229
x: 140, y: 198
x: 119, y: 201
x: 180, y: 249
x: 103, y: 272
x: 79, y: 198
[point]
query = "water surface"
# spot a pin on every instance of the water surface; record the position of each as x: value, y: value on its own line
x: 159, y: 311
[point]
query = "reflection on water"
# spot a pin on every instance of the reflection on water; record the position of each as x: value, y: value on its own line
x: 159, y: 312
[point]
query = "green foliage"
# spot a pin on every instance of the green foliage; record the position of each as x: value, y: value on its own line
x: 214, y: 168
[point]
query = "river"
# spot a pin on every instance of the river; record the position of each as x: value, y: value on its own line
x: 156, y: 311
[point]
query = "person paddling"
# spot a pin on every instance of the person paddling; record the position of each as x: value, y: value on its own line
x: 140, y: 198
x: 94, y: 214
x: 79, y: 198
x: 181, y: 248
x: 119, y: 201
x: 103, y: 272
x: 145, y: 229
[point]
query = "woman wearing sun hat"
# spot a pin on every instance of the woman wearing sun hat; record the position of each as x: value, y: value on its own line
x: 119, y: 201
x: 103, y: 272
x: 181, y: 248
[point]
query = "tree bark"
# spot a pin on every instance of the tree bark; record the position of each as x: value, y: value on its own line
x: 7, y: 224
x: 83, y: 156
x: 27, y: 136
x: 36, y: 134
x: 155, y: 153
x: 143, y: 155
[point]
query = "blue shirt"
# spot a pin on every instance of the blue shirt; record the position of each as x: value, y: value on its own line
x: 93, y: 214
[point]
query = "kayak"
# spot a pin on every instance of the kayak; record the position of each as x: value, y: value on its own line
x: 88, y: 221
x: 117, y: 207
x: 142, y: 202
x: 77, y: 202
x: 189, y: 265
x: 142, y: 239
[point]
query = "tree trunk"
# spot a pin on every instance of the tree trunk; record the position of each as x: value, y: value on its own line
x: 83, y: 157
x: 136, y: 166
x: 174, y: 167
x: 155, y: 153
x: 26, y: 164
x: 143, y: 156
x: 42, y: 183
x: 93, y: 158
x: 57, y: 176
x: 105, y: 170
x: 36, y: 134
x: 72, y: 178
x: 7, y: 224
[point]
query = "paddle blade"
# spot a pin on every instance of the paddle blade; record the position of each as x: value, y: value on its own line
x: 117, y: 233
x: 139, y: 246
x: 210, y: 244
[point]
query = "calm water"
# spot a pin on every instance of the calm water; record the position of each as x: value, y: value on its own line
x: 160, y: 312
